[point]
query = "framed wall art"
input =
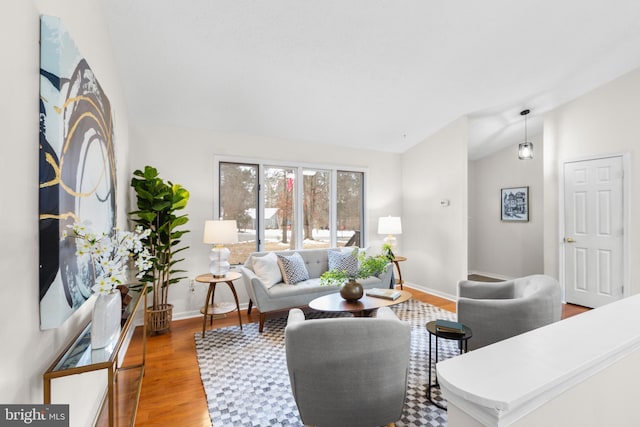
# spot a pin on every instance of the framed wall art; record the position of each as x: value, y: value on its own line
x: 77, y: 178
x: 514, y: 204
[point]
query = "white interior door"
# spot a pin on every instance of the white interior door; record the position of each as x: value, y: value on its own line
x: 593, y: 227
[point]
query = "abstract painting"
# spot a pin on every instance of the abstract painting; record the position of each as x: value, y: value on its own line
x: 514, y: 204
x: 77, y: 170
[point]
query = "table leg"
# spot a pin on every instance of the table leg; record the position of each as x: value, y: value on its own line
x: 212, y: 286
x: 235, y: 296
x: 435, y: 384
x: 429, y: 383
x: 400, y: 277
x: 213, y: 297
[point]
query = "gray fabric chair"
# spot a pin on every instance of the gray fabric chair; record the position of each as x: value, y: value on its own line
x: 500, y: 310
x: 348, y: 371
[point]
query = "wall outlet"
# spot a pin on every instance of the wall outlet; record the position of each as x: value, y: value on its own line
x: 192, y: 286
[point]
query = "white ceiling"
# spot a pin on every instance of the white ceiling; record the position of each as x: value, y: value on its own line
x: 381, y: 74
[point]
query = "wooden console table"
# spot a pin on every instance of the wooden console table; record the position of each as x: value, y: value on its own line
x: 78, y: 358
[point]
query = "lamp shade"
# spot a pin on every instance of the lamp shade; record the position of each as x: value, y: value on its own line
x: 389, y: 225
x: 525, y: 151
x: 220, y: 232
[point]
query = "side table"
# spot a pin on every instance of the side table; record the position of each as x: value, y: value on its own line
x: 462, y: 345
x: 396, y: 261
x: 211, y: 309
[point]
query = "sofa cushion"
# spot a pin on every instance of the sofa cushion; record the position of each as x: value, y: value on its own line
x: 267, y: 269
x: 292, y: 268
x: 343, y: 261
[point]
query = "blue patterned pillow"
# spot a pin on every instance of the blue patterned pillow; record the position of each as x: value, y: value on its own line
x: 343, y: 261
x: 293, y: 268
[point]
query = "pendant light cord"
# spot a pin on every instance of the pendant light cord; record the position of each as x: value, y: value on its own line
x: 525, y: 113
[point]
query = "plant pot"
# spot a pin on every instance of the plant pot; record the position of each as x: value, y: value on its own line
x: 159, y: 319
x: 105, y: 319
x: 351, y: 291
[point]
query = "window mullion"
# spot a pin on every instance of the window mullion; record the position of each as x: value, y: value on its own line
x: 299, y: 203
x: 333, y: 202
x: 259, y: 215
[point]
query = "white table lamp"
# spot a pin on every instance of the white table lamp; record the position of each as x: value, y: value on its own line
x: 218, y: 233
x: 390, y: 225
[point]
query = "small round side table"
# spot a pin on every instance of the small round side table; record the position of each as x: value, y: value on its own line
x: 211, y: 309
x: 462, y: 345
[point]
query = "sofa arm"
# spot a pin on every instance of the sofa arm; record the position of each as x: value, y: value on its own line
x: 295, y: 316
x: 387, y: 276
x: 386, y: 313
x: 256, y: 289
x: 247, y: 276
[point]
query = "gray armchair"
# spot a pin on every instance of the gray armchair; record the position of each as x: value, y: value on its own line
x: 348, y: 371
x: 497, y: 311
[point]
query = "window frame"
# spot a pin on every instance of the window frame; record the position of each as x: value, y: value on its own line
x: 262, y: 164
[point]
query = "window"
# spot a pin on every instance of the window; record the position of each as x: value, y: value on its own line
x: 350, y: 208
x: 316, y: 208
x: 280, y: 225
x: 239, y: 200
x: 279, y: 207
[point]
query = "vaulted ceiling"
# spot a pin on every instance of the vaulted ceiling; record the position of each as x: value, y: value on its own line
x: 380, y: 74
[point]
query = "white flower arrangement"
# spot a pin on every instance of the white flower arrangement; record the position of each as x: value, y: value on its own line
x: 110, y: 254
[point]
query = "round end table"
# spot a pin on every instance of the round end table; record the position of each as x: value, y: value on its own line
x: 462, y: 345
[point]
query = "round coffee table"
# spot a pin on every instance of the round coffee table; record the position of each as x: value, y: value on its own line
x: 364, y: 307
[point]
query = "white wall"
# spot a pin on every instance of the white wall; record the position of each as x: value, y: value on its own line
x: 26, y: 351
x: 505, y: 249
x: 435, y: 241
x: 602, y: 122
x: 186, y: 156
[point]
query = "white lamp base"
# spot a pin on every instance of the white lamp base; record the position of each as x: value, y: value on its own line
x: 391, y: 241
x: 219, y: 265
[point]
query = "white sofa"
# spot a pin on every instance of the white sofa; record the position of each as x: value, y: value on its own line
x: 269, y: 298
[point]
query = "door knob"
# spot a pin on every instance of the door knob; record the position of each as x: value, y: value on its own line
x: 569, y: 240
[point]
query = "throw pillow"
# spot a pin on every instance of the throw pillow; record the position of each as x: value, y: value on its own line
x: 292, y: 268
x: 267, y: 269
x: 343, y: 261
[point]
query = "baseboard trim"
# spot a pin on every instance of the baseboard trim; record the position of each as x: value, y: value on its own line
x: 431, y: 291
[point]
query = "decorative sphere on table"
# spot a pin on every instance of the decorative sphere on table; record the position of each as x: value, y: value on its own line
x: 351, y: 291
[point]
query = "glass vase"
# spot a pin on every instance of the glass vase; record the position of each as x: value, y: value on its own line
x: 105, y: 319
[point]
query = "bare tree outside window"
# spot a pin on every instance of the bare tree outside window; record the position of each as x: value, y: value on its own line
x: 280, y: 206
x: 239, y: 201
x: 350, y: 208
x: 316, y: 208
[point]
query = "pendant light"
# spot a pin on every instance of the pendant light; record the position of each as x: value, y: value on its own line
x: 525, y: 149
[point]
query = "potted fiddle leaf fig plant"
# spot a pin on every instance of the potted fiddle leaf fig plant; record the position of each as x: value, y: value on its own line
x: 350, y: 288
x: 159, y: 203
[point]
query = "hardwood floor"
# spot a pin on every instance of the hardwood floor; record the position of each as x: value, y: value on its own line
x: 172, y: 392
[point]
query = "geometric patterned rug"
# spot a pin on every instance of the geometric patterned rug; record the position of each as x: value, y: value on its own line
x: 246, y: 381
